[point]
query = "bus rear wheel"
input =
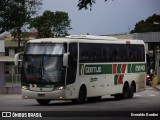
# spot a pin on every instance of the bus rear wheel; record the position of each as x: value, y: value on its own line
x: 131, y: 91
x: 43, y: 102
x: 126, y: 90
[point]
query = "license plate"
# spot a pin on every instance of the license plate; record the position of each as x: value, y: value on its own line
x: 41, y: 95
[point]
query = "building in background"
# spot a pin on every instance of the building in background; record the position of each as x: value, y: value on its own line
x: 9, y: 74
x: 11, y: 47
x: 152, y: 41
x: 2, y: 52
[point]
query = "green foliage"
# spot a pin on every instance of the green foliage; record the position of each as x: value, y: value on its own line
x: 151, y: 24
x: 15, y: 14
x: 51, y: 24
x: 83, y: 4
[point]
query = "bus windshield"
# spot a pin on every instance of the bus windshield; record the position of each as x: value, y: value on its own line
x: 45, y: 48
x: 43, y: 63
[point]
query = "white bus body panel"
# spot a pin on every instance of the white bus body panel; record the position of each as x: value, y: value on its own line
x: 97, y: 85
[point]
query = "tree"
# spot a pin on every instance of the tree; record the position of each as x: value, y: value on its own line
x: 51, y: 24
x: 151, y: 24
x: 85, y: 3
x: 15, y: 14
x: 5, y: 15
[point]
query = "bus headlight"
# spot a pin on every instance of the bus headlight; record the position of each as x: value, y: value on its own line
x: 25, y: 88
x: 60, y: 88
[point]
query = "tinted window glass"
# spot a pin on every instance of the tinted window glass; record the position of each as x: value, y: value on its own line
x: 72, y: 62
x: 92, y: 53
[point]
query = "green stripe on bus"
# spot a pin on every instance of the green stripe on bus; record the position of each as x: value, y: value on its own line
x: 119, y: 68
x: 116, y: 79
x: 95, y: 69
x: 138, y: 68
x: 88, y: 69
x: 129, y: 68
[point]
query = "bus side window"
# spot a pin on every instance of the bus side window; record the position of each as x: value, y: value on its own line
x: 125, y: 54
x: 105, y: 54
x: 113, y: 54
x: 141, y: 53
x: 96, y: 53
x: 84, y: 52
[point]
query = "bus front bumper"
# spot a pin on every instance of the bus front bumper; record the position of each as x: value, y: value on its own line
x: 51, y: 95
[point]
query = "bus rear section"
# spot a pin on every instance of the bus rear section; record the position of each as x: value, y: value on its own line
x: 116, y: 68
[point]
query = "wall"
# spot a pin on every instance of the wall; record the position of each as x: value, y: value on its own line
x: 2, y: 51
x: 2, y: 77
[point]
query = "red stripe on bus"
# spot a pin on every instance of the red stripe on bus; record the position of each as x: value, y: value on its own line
x: 123, y: 68
x: 114, y: 68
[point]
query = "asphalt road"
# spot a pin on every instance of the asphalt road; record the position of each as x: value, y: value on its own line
x: 142, y: 102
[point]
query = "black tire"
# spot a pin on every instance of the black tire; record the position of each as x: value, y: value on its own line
x: 125, y: 93
x: 82, y: 96
x: 43, y: 102
x: 131, y: 91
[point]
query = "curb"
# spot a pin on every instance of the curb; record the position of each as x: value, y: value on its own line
x: 10, y: 89
x: 10, y: 96
x: 157, y: 88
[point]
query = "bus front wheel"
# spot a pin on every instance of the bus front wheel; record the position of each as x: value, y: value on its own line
x: 43, y: 102
x: 81, y: 96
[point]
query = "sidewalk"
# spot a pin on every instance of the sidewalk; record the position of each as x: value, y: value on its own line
x: 10, y: 96
x: 10, y: 89
x: 156, y: 87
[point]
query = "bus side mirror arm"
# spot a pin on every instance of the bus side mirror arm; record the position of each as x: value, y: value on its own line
x: 16, y: 58
x: 65, y: 59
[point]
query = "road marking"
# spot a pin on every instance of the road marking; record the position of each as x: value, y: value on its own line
x: 152, y: 95
x: 137, y: 95
x: 147, y: 91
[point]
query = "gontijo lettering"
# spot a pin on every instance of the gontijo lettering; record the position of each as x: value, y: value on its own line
x: 93, y: 69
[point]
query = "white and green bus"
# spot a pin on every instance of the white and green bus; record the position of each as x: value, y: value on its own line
x: 80, y: 68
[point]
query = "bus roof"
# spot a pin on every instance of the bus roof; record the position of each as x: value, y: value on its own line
x: 87, y: 39
x: 91, y: 37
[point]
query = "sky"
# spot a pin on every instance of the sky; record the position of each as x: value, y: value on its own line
x: 105, y: 18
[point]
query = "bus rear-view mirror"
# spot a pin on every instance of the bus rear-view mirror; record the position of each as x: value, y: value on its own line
x: 65, y: 59
x: 17, y: 58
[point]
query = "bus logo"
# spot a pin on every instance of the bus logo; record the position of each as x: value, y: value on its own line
x: 82, y: 69
x: 90, y: 69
